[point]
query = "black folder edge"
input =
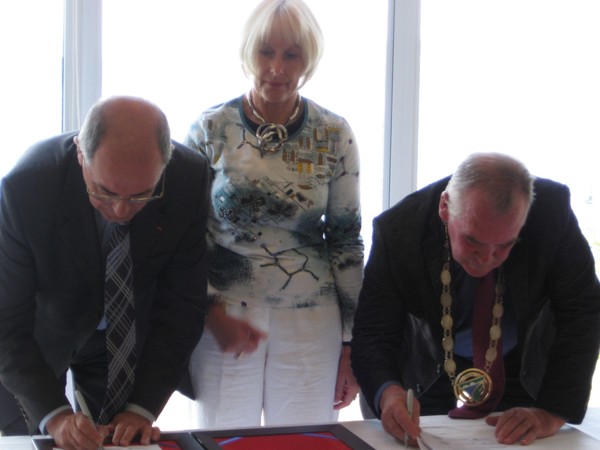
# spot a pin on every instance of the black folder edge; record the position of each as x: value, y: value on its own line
x: 204, y: 439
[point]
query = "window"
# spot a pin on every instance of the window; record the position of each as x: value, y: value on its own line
x: 517, y: 77
x: 31, y: 33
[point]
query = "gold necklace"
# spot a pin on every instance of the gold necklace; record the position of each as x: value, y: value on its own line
x: 472, y: 386
x: 271, y: 136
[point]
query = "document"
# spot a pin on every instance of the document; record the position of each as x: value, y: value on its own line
x: 452, y: 434
x: 451, y: 438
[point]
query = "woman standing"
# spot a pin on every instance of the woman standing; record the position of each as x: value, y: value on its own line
x: 286, y: 257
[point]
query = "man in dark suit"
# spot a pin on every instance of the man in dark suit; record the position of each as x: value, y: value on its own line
x: 420, y: 306
x: 57, y: 206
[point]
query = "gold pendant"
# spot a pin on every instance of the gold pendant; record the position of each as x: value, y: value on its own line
x: 472, y: 387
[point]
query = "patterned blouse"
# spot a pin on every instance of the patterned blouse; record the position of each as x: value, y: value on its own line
x: 285, y: 227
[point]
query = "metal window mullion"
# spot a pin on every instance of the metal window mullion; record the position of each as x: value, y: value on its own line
x: 402, y: 100
x: 82, y: 60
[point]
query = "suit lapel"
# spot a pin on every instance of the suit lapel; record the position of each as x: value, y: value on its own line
x: 516, y: 282
x: 433, y: 250
x: 146, y: 227
x: 78, y: 227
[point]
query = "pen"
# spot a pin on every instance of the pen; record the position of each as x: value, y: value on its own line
x: 84, y: 407
x: 409, y: 408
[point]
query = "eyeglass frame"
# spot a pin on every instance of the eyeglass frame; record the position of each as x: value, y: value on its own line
x: 134, y: 199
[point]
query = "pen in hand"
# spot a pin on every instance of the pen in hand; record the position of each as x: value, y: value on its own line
x: 409, y: 408
x: 84, y: 407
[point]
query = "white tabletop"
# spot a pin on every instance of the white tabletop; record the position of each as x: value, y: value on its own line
x: 582, y: 437
x: 477, y: 434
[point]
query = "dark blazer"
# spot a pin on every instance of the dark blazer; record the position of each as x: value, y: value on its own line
x: 51, y: 277
x: 550, y: 277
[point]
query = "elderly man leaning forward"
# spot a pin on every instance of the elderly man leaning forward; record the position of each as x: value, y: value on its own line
x: 480, y: 287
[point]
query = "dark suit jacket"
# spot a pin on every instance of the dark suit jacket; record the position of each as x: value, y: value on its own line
x: 549, y: 275
x: 52, y: 277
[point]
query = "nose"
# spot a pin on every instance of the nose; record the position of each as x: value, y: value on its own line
x: 277, y: 65
x: 486, y: 255
x: 121, y: 208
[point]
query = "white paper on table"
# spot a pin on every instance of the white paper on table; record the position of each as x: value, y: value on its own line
x: 449, y: 438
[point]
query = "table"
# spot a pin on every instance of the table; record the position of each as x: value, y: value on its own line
x: 582, y: 437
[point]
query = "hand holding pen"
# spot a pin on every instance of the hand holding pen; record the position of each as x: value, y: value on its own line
x: 87, y: 434
x: 75, y: 431
x: 400, y: 414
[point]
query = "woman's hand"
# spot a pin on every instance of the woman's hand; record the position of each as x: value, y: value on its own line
x: 233, y: 335
x: 346, y: 386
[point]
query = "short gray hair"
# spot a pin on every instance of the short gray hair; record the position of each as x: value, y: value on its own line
x: 95, y: 126
x: 502, y: 178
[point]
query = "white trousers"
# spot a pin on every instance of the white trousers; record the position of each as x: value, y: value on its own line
x: 290, y: 378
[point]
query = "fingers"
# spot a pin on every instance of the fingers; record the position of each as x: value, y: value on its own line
x: 516, y: 424
x: 123, y: 434
x: 250, y: 342
x: 149, y: 435
x: 75, y: 432
x: 345, y: 395
x: 128, y: 425
x: 399, y: 425
x: 525, y: 425
x: 396, y: 421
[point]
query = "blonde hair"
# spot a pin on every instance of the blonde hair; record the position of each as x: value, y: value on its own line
x: 294, y: 22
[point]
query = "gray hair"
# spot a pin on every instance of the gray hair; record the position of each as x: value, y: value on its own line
x: 95, y: 126
x: 502, y: 178
x: 297, y: 25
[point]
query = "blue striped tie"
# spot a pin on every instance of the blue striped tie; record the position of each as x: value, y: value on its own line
x: 120, y: 333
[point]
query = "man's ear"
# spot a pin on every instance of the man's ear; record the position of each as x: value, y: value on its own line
x: 444, y: 207
x: 79, y: 153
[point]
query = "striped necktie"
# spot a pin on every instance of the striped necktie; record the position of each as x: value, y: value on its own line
x: 120, y: 332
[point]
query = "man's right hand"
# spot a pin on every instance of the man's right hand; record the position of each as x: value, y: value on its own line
x: 76, y: 432
x: 394, y: 415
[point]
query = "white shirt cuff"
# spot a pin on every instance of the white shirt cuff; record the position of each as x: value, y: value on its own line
x: 130, y: 407
x: 50, y: 415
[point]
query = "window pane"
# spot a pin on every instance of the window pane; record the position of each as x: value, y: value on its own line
x: 31, y: 32
x: 518, y: 77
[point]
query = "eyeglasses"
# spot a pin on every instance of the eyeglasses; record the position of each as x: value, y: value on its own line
x: 135, y: 199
